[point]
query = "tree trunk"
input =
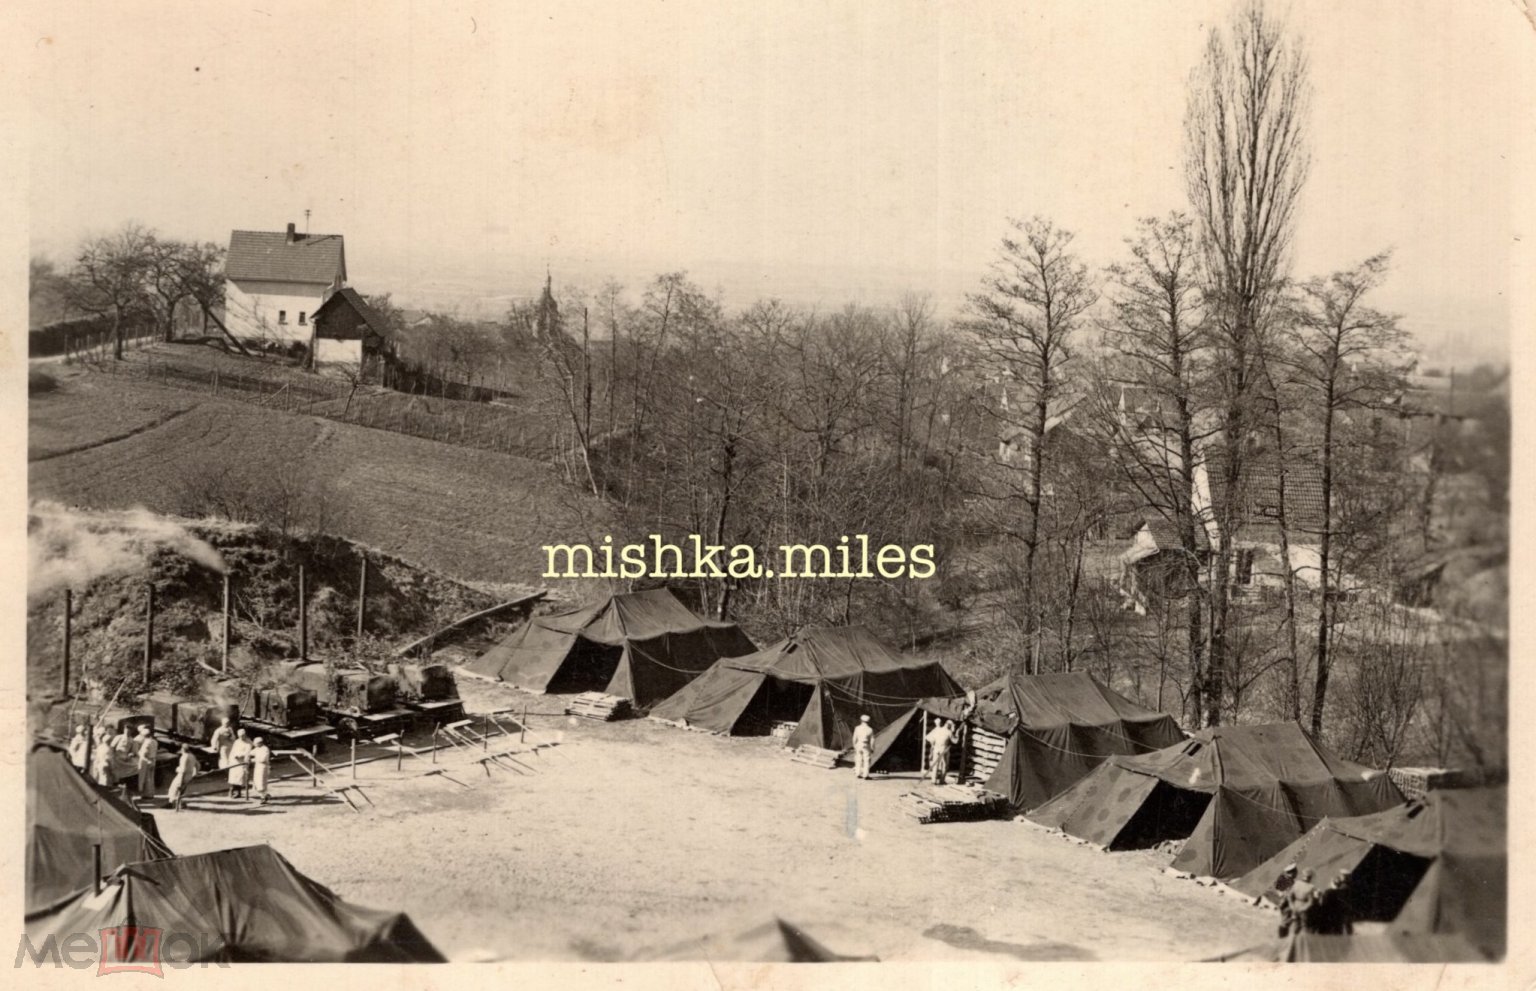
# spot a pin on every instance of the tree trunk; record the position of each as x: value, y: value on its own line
x: 1324, y: 579
x: 117, y: 334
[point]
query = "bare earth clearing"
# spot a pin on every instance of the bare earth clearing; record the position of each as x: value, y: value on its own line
x: 635, y: 837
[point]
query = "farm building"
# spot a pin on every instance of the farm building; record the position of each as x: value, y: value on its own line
x: 348, y: 335
x: 276, y: 280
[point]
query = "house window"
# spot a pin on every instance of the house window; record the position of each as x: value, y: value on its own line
x: 301, y: 318
x: 1245, y: 566
x: 282, y: 316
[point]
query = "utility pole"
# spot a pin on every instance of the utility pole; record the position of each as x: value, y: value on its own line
x: 303, y: 619
x: 362, y: 596
x: 69, y: 601
x: 149, y: 631
x: 224, y: 649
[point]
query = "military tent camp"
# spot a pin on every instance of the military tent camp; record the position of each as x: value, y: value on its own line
x: 823, y: 678
x: 1239, y: 793
x: 1439, y: 865
x: 67, y: 816
x: 1058, y: 728
x: 247, y: 904
x: 643, y: 646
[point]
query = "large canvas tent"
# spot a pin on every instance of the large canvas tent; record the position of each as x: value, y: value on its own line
x: 67, y: 816
x: 643, y: 646
x: 1439, y: 865
x: 247, y: 904
x: 1059, y: 727
x: 1239, y: 793
x: 823, y: 677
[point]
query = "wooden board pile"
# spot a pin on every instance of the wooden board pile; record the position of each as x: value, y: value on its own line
x: 952, y: 803
x: 982, y: 753
x: 815, y: 756
x: 597, y: 705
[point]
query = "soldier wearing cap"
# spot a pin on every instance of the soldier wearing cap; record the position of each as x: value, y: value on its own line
x: 863, y: 747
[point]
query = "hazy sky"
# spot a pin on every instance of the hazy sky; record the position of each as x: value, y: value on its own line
x: 820, y: 152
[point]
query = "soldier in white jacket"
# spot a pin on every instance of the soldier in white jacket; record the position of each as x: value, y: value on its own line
x: 863, y: 747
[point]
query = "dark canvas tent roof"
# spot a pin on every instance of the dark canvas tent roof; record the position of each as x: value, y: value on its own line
x: 246, y: 904
x: 1462, y: 836
x: 1239, y: 793
x: 1362, y: 948
x: 846, y: 672
x: 641, y: 645
x: 1059, y: 728
x: 774, y: 941
x: 66, y: 816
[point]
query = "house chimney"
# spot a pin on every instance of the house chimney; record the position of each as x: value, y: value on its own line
x: 290, y: 234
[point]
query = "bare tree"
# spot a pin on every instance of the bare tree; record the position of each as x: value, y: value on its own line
x: 1345, y: 356
x: 167, y: 260
x: 1245, y: 164
x: 109, y: 278
x: 1160, y: 346
x: 1024, y: 319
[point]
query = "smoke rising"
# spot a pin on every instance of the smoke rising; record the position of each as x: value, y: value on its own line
x: 69, y: 548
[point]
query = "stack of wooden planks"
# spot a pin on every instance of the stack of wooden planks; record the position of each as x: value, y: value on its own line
x: 982, y: 754
x: 597, y: 705
x: 815, y: 756
x: 952, y: 803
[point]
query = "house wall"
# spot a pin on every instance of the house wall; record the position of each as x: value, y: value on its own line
x: 251, y: 310
x: 338, y: 356
x: 1268, y: 570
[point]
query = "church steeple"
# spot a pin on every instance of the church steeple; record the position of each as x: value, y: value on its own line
x: 547, y: 313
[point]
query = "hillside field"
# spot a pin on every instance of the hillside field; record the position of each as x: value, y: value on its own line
x: 108, y: 442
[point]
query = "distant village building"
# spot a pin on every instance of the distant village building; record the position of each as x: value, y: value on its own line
x: 276, y: 280
x: 1259, y: 560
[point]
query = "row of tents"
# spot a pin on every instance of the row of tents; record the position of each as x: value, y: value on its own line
x: 1241, y: 802
x: 245, y: 904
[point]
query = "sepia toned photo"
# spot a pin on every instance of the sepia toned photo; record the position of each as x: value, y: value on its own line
x: 981, y: 485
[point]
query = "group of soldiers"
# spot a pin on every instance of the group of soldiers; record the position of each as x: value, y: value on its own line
x: 938, y: 743
x: 1305, y: 907
x: 129, y: 760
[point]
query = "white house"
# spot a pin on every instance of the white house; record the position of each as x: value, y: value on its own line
x: 276, y: 280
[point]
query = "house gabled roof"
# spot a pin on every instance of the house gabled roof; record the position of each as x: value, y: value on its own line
x: 1260, y: 493
x: 1165, y: 532
x: 268, y: 256
x: 354, y: 299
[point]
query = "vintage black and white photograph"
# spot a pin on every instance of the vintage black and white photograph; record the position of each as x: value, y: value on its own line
x: 982, y: 484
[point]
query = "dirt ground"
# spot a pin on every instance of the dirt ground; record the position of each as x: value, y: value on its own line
x: 631, y: 839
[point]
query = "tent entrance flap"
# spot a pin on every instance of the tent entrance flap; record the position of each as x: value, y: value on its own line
x: 1382, y: 883
x: 1167, y: 813
x: 588, y: 667
x: 776, y: 701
